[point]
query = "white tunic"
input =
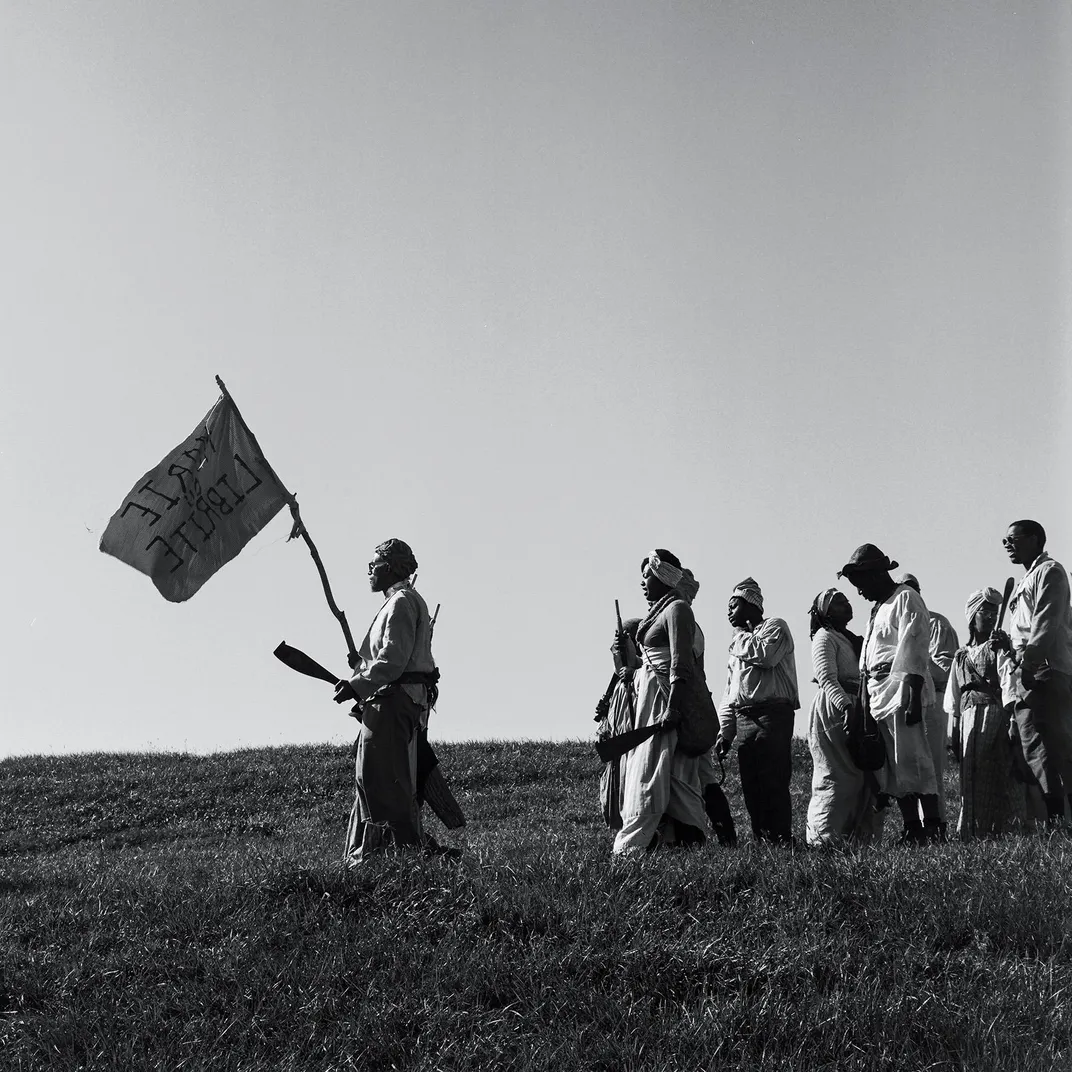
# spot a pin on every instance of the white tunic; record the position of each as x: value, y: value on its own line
x: 897, y: 647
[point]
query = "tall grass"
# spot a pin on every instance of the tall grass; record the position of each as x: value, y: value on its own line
x: 189, y: 912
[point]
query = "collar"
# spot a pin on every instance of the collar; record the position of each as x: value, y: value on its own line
x: 1042, y: 557
x: 407, y: 583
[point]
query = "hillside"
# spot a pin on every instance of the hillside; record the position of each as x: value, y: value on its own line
x: 174, y: 911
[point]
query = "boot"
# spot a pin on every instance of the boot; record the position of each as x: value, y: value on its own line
x: 913, y: 828
x: 1055, y: 812
x: 913, y: 833
x: 933, y: 831
x: 718, y: 812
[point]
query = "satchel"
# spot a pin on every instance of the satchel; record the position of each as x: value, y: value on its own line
x: 867, y: 747
x: 698, y: 729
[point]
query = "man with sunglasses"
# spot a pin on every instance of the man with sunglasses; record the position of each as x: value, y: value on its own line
x: 1040, y: 642
x: 394, y: 682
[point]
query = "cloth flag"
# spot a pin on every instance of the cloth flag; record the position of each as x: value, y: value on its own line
x: 198, y: 508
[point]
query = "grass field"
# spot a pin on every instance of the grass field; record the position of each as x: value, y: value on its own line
x: 184, y: 912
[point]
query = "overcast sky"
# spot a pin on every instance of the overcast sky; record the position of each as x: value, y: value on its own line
x: 536, y: 288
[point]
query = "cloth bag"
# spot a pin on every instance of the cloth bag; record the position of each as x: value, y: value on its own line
x: 867, y: 748
x: 698, y: 729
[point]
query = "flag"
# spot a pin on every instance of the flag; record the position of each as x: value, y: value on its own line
x: 198, y: 508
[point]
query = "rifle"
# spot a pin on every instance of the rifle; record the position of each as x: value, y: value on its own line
x: 431, y: 785
x: 603, y: 706
x: 623, y: 655
x: 614, y: 748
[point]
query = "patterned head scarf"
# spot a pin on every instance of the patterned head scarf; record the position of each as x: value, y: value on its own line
x: 749, y: 591
x: 823, y: 600
x: 667, y: 572
x: 397, y: 554
x: 688, y: 586
x: 979, y: 599
x: 819, y: 608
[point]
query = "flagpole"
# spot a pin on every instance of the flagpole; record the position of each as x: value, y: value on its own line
x: 299, y: 528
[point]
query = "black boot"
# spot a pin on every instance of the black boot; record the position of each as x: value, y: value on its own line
x: 718, y: 812
x: 1055, y: 811
x: 913, y: 828
x: 913, y: 833
x: 933, y: 832
x: 933, y: 827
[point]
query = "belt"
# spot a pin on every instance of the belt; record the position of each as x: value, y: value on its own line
x: 879, y: 672
x: 751, y: 710
x: 418, y: 677
x: 985, y: 690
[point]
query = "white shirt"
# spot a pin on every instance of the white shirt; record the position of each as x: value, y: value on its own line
x: 398, y: 640
x: 898, y: 637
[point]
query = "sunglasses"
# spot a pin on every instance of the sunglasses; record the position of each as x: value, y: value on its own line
x: 374, y: 566
x: 1011, y: 541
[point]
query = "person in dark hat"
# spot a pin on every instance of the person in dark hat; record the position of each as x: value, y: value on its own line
x: 895, y: 662
x: 394, y: 683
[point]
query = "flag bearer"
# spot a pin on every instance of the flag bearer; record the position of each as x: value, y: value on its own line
x: 394, y: 681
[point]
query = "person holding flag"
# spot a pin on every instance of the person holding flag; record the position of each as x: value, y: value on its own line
x: 194, y: 511
x: 394, y: 684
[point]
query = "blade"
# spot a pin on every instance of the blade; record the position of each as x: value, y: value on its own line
x: 616, y: 747
x: 299, y: 661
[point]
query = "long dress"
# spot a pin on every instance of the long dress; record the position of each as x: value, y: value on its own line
x: 992, y: 801
x: 842, y: 800
x: 658, y: 781
x: 897, y: 648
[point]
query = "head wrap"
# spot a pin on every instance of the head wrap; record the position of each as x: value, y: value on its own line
x: 749, y: 591
x: 822, y: 601
x: 397, y: 554
x: 688, y: 586
x: 668, y: 573
x: 867, y: 557
x: 911, y: 580
x: 978, y: 599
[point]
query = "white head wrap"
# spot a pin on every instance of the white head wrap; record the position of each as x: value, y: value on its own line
x: 749, y: 591
x: 977, y: 599
x: 667, y: 572
x: 911, y: 580
x: 688, y: 586
x: 822, y: 600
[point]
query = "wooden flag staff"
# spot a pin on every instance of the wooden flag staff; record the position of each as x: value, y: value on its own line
x: 431, y: 784
x: 299, y: 529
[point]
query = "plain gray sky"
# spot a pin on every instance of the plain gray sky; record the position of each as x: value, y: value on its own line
x: 535, y: 287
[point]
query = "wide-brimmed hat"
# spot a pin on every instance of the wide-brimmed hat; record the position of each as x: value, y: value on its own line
x: 867, y: 557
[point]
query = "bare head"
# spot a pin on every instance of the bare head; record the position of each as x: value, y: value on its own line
x: 1024, y: 542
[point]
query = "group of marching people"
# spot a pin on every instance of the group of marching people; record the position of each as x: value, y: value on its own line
x: 890, y: 704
